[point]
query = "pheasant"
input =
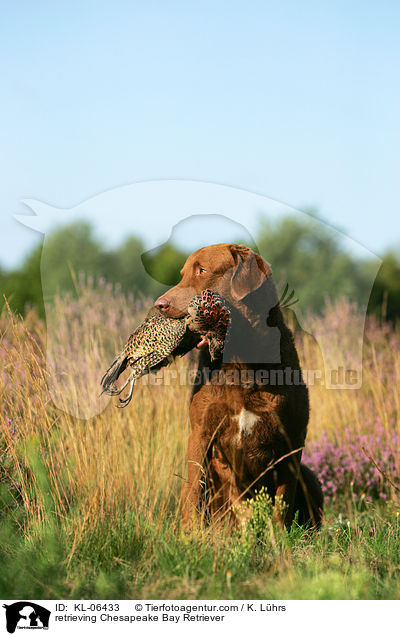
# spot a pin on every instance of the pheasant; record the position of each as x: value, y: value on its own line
x: 159, y: 339
x: 210, y: 318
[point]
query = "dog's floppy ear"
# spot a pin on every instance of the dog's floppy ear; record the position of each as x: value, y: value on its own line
x: 249, y: 272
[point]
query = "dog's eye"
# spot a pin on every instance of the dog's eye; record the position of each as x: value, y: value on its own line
x: 202, y: 270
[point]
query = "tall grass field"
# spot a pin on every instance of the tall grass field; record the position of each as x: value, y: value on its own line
x: 90, y: 493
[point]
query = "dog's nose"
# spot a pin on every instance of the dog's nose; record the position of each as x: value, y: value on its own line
x: 162, y: 304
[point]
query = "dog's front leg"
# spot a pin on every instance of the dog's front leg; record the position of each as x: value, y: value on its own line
x: 195, y: 484
x: 286, y: 480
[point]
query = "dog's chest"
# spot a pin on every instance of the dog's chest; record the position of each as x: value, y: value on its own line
x: 245, y: 425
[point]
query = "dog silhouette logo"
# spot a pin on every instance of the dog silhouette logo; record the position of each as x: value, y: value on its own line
x: 26, y: 615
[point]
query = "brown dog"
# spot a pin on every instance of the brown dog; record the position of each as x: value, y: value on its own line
x: 250, y: 411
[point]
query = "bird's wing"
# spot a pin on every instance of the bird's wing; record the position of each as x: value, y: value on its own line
x: 146, y: 363
x: 154, y: 340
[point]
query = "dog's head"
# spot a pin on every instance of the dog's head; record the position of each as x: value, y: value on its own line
x: 234, y: 271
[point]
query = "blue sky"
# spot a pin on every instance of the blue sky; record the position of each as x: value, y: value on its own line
x: 297, y: 101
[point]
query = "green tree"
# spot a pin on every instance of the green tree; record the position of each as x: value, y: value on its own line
x: 129, y: 270
x: 22, y: 287
x: 164, y: 263
x: 311, y: 260
x: 385, y: 295
x: 52, y: 267
x: 67, y: 251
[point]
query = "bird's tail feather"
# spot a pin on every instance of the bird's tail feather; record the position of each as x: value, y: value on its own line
x: 112, y: 374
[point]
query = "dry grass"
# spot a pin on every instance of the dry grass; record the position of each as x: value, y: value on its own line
x: 131, y: 461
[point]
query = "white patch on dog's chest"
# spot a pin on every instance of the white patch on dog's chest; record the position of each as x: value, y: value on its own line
x: 246, y: 421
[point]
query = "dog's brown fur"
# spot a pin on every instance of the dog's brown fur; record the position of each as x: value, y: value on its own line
x: 244, y: 437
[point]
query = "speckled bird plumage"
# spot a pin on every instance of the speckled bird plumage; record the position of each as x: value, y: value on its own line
x: 209, y: 317
x: 159, y: 339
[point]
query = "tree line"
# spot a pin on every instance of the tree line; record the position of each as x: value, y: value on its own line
x: 309, y: 257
